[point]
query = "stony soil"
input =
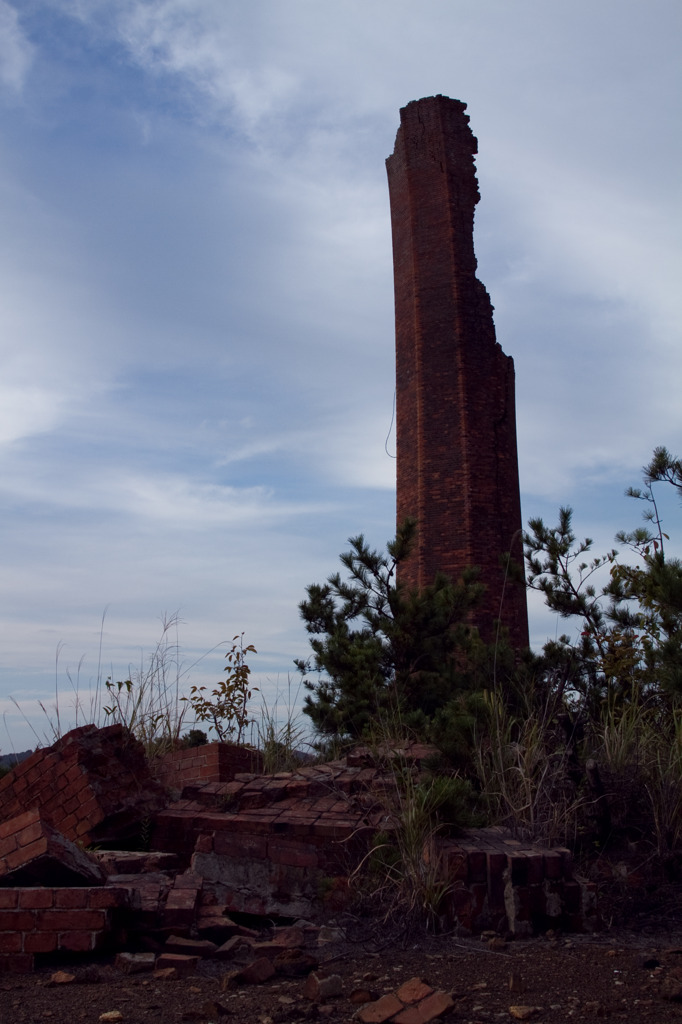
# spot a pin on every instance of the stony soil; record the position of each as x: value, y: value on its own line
x: 623, y: 975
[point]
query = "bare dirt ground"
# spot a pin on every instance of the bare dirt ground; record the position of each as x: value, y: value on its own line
x: 618, y: 974
x: 631, y: 970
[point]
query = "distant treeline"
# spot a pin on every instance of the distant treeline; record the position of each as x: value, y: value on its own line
x: 10, y: 760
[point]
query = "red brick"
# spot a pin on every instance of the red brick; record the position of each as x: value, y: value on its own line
x: 74, y: 775
x: 17, y: 920
x: 566, y: 861
x: 319, y: 988
x: 17, y: 823
x: 461, y: 906
x: 326, y: 804
x: 413, y: 990
x: 381, y: 1010
x: 34, y: 774
x: 536, y: 903
x: 91, y: 810
x: 294, y: 827
x: 204, y: 843
x: 228, y: 790
x: 290, y: 804
x: 9, y: 898
x: 37, y: 899
x: 333, y: 828
x: 254, y: 822
x: 77, y: 941
x: 535, y: 870
x: 517, y: 864
x: 553, y: 865
x: 180, y: 908
x: 477, y: 870
x: 82, y: 791
x: 71, y: 898
x: 294, y: 854
x: 497, y: 864
x: 109, y: 896
x: 289, y: 936
x: 40, y: 942
x: 68, y: 824
x: 48, y: 800
x: 257, y: 972
x: 188, y: 880
x: 479, y: 894
x: 572, y: 894
x: 182, y: 964
x: 185, y: 899
x: 276, y: 790
x: 71, y: 804
x: 10, y: 942
x: 26, y: 853
x: 19, y: 963
x: 8, y: 845
x: 297, y: 789
x: 71, y: 920
x: 429, y: 1009
x: 251, y: 800
x: 241, y: 846
x: 31, y: 833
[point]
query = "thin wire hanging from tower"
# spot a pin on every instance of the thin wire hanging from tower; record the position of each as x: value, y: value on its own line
x: 391, y: 428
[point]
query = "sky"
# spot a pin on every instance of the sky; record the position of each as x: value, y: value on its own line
x: 196, y: 310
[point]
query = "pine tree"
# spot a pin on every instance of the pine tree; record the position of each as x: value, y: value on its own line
x: 630, y: 643
x: 381, y: 648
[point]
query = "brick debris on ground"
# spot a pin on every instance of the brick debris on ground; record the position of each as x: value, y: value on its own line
x: 548, y: 980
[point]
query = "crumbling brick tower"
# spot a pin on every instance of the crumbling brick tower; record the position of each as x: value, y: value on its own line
x: 456, y: 424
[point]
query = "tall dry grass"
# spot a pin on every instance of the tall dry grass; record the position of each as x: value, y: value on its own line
x: 570, y: 778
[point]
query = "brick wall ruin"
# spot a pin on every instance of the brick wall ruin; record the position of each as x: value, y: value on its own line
x: 211, y: 762
x: 93, y: 786
x: 279, y: 847
x: 455, y: 407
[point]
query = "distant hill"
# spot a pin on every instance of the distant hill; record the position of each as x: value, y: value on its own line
x: 10, y: 760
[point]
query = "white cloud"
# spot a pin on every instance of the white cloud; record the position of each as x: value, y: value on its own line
x: 181, y: 502
x: 197, y: 323
x: 596, y: 235
x: 170, y: 500
x: 27, y: 410
x: 16, y: 52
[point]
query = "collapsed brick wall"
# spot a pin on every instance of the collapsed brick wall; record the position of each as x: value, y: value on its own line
x: 43, y: 920
x: 457, y: 464
x: 270, y: 844
x: 282, y: 845
x: 34, y: 853
x: 93, y: 785
x: 286, y: 846
x: 212, y: 762
x: 498, y: 881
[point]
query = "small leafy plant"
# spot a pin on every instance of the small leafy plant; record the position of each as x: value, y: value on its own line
x: 226, y: 707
